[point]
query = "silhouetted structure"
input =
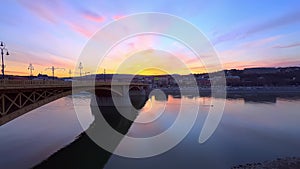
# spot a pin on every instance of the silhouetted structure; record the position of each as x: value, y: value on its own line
x: 84, y: 152
x: 3, y: 48
x: 30, y: 68
x: 53, y: 70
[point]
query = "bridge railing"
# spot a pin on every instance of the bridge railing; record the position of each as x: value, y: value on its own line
x: 6, y: 83
x: 19, y: 84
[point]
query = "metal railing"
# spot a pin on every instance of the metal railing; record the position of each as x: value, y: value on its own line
x: 19, y: 84
x: 5, y: 83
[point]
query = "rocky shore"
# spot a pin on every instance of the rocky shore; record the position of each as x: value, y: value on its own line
x: 279, y: 163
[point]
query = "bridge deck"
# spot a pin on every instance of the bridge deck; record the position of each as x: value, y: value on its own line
x: 23, y: 84
x: 18, y: 97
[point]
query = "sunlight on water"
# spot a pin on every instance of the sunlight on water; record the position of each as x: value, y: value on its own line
x: 250, y: 131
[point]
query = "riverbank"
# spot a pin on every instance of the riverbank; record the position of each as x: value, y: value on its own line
x: 279, y: 163
x: 238, y: 90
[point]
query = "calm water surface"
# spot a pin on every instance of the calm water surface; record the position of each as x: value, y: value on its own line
x: 251, y: 130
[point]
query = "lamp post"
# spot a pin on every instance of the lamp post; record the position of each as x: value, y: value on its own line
x: 104, y: 75
x: 70, y: 73
x: 80, y: 67
x: 31, y: 68
x: 2, y: 47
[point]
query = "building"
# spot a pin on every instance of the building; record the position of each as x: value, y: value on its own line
x: 260, y: 70
x: 41, y: 77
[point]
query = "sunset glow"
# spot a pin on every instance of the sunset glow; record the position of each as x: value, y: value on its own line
x: 53, y: 33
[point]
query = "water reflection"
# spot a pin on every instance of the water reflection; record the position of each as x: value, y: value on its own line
x: 84, y: 152
x: 248, y: 98
x: 247, y: 133
x: 250, y: 131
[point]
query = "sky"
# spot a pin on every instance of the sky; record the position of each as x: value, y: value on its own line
x: 250, y: 33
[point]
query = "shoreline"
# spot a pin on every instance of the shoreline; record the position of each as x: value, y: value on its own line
x: 279, y: 163
x: 239, y: 90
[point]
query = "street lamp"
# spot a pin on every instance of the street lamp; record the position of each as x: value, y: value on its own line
x: 80, y: 68
x: 31, y: 68
x: 2, y: 47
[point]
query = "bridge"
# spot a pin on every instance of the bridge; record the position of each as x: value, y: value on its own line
x: 18, y: 97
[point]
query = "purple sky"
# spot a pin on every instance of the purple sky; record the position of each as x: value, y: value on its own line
x: 244, y: 33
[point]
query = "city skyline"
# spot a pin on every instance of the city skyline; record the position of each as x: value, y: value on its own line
x: 53, y: 33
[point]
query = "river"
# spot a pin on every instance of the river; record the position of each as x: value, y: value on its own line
x: 251, y: 130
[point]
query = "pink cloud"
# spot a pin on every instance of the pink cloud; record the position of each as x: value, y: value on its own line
x: 38, y: 58
x: 260, y: 42
x: 242, y: 65
x: 116, y: 17
x: 289, y: 18
x: 81, y: 30
x: 259, y: 47
x: 242, y: 32
x: 260, y: 63
x: 281, y: 63
x: 93, y: 16
x: 288, y: 46
x: 43, y: 10
x: 233, y: 53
